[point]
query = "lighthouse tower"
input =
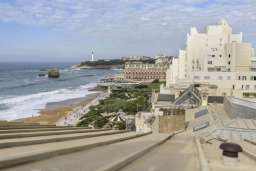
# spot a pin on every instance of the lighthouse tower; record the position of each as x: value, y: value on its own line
x: 92, y: 59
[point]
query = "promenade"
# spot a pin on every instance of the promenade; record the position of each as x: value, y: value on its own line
x: 72, y: 118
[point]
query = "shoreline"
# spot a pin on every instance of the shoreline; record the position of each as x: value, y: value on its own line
x: 73, y: 117
x: 55, y: 111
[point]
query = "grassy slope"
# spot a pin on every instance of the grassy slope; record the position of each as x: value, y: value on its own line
x: 129, y: 101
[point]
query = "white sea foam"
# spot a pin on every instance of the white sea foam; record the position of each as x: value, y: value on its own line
x: 28, y: 105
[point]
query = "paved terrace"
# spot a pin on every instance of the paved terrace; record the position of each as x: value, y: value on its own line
x: 222, y: 127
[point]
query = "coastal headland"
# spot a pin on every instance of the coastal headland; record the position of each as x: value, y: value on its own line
x: 101, y: 64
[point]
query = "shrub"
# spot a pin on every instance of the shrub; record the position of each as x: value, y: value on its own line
x: 155, y: 81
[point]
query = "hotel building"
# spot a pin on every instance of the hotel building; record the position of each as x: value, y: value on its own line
x: 148, y: 70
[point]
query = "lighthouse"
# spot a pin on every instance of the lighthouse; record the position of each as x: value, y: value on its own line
x: 92, y: 58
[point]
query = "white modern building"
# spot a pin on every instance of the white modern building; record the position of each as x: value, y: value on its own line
x: 217, y: 58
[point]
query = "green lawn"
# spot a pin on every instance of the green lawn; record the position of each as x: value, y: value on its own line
x: 129, y: 100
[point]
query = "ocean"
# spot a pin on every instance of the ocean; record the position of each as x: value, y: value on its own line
x: 24, y: 93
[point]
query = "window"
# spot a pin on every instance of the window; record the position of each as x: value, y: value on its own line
x: 243, y: 77
x: 239, y: 77
x: 253, y: 78
x: 242, y: 87
x: 254, y: 87
x: 247, y: 87
x: 220, y: 55
x: 228, y: 77
x: 213, y: 56
x: 220, y: 77
x: 206, y: 77
x: 229, y: 55
x: 229, y: 62
x: 233, y: 87
x: 197, y: 77
x: 209, y: 62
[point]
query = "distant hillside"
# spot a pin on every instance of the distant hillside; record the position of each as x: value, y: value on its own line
x: 113, y: 63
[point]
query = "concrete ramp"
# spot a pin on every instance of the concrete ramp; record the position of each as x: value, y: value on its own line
x: 177, y: 154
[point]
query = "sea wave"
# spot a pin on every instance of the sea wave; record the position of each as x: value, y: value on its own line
x: 41, y: 80
x: 25, y: 83
x: 28, y: 105
x: 76, y: 77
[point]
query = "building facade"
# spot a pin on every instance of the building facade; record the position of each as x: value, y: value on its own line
x: 216, y: 57
x: 147, y: 70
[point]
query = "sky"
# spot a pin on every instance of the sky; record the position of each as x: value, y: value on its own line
x: 68, y: 30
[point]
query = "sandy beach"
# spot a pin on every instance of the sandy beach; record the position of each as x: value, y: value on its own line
x: 55, y: 112
x: 72, y: 117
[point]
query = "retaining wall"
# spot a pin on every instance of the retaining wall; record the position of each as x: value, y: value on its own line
x: 245, y: 109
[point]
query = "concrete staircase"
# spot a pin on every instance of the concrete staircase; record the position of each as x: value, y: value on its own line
x: 29, y: 144
x: 13, y: 142
x: 94, y: 157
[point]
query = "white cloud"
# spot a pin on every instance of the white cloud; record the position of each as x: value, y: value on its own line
x: 150, y: 18
x: 98, y: 13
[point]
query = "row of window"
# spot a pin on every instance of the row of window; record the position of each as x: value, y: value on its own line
x: 213, y: 55
x: 253, y: 78
x: 146, y: 66
x: 246, y: 87
x: 151, y: 73
x: 210, y: 62
x: 144, y: 77
x: 208, y: 77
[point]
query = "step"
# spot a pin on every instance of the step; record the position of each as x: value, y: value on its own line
x: 39, y: 129
x: 6, y: 123
x: 14, y: 142
x: 29, y: 127
x: 19, y: 155
x: 123, y: 161
x: 95, y: 158
x: 178, y: 153
x: 46, y: 133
